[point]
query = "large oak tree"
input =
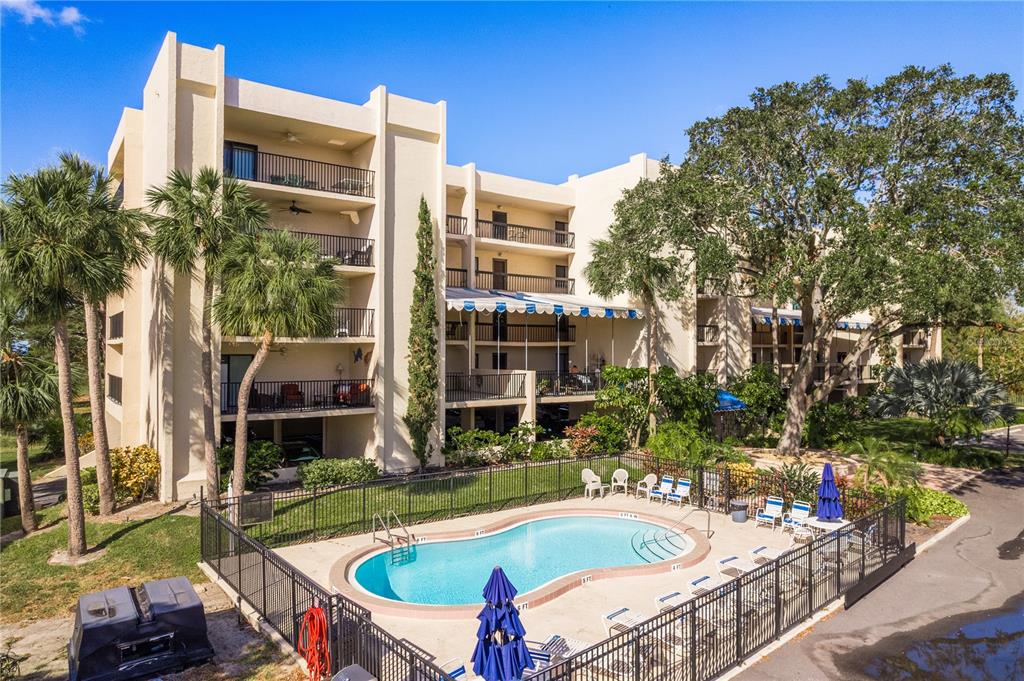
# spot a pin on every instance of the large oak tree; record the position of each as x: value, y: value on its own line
x: 903, y: 199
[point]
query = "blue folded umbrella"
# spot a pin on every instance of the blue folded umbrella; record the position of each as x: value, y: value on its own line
x: 500, y: 653
x: 829, y: 506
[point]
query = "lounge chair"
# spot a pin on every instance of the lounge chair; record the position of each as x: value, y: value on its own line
x: 456, y: 669
x: 620, y: 478
x: 661, y: 492
x: 702, y: 585
x: 540, y: 653
x: 734, y: 566
x: 621, y: 620
x: 670, y: 600
x: 771, y: 513
x: 681, y: 493
x: 765, y: 554
x: 797, y: 516
x: 646, y: 485
x: 591, y: 483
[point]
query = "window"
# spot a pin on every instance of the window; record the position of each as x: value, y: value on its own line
x: 240, y: 160
x: 499, y: 360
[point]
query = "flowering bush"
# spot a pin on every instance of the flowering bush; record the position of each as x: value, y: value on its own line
x: 135, y: 471
x: 583, y: 440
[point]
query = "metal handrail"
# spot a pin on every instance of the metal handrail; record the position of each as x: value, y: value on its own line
x: 708, y: 531
x: 408, y: 535
x: 385, y: 526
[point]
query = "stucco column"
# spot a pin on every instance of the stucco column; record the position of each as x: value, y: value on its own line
x: 528, y: 414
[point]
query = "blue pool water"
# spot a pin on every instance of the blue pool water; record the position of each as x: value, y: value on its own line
x: 532, y: 554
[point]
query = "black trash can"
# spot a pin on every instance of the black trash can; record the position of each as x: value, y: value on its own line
x: 739, y: 510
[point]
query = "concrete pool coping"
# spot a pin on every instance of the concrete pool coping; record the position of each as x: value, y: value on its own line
x: 341, y: 579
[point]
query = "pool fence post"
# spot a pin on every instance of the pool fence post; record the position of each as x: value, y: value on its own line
x: 295, y: 615
x: 810, y: 578
x: 693, y: 641
x: 263, y: 582
x: 839, y: 572
x: 778, y: 599
x: 738, y: 609
x: 315, y: 495
x: 728, y: 490
x: 490, y: 488
x: 364, y: 508
x: 559, y: 481
x: 526, y: 483
x: 451, y: 495
x: 636, y: 656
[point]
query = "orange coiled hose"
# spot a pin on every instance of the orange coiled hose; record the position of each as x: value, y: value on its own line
x: 313, y: 643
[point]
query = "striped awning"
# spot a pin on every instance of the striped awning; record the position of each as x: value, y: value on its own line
x: 787, y: 317
x: 480, y: 300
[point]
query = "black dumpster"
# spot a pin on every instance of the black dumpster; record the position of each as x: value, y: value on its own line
x: 127, y: 633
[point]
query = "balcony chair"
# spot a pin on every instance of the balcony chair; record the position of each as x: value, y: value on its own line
x: 291, y: 396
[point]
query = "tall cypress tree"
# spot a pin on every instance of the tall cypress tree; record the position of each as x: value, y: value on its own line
x: 421, y: 409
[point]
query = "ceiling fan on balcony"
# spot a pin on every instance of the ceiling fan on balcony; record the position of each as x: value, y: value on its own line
x: 291, y: 137
x: 294, y: 209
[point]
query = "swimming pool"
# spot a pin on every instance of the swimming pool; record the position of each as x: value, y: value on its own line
x: 532, y: 554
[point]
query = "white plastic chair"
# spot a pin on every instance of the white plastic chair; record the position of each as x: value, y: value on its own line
x: 646, y: 485
x: 797, y: 516
x: 771, y: 514
x: 591, y: 483
x: 620, y: 478
x: 666, y: 485
x: 681, y: 493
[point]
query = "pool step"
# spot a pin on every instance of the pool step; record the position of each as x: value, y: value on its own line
x: 655, y: 545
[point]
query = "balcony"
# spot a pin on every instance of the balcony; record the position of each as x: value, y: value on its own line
x: 299, y: 396
x: 915, y: 339
x: 352, y: 251
x: 471, y: 387
x: 860, y: 372
x: 245, y: 162
x: 115, y: 326
x: 114, y: 388
x: 707, y: 334
x: 525, y: 333
x: 526, y: 283
x: 456, y: 331
x: 456, y: 278
x: 524, y: 234
x: 567, y: 384
x: 455, y: 224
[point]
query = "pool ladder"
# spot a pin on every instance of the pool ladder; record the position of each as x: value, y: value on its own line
x: 398, y: 538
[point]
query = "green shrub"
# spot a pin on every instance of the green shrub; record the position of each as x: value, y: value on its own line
x: 800, y: 481
x: 91, y: 498
x: 681, y: 441
x: 88, y: 476
x: 471, y: 448
x: 761, y: 390
x: 549, y: 450
x: 611, y: 434
x: 50, y: 431
x: 924, y: 502
x: 829, y: 423
x: 331, y: 472
x: 692, y: 399
x: 262, y: 457
x: 518, y: 443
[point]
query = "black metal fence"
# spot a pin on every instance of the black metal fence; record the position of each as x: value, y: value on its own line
x: 281, y: 594
x: 693, y: 641
x: 355, y: 251
x: 467, y: 387
x: 284, y: 396
x: 353, y: 322
x: 561, y: 383
x: 245, y: 162
x: 713, y: 631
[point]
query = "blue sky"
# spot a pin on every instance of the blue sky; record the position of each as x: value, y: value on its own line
x: 535, y: 90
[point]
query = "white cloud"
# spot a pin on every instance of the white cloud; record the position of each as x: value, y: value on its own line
x: 31, y: 11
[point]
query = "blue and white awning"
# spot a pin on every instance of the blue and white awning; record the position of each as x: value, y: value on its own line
x: 479, y: 300
x: 788, y: 317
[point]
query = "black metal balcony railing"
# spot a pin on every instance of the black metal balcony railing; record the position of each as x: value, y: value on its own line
x: 114, y: 388
x: 528, y: 283
x: 456, y: 278
x: 246, y: 163
x: 707, y: 333
x: 356, y: 251
x: 525, y: 234
x: 522, y: 333
x: 353, y: 322
x: 115, y: 326
x: 317, y: 395
x: 860, y: 372
x: 456, y: 224
x: 556, y: 384
x: 467, y: 387
x: 456, y: 331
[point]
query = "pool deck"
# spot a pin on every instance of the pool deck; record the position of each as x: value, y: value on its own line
x: 573, y: 614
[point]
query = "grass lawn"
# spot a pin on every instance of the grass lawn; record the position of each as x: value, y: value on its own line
x: 910, y: 434
x: 31, y: 588
x: 45, y: 517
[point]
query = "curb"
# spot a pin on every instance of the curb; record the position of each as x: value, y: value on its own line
x: 822, y: 614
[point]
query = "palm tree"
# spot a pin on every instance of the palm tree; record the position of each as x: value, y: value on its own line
x: 879, y: 463
x: 44, y: 256
x: 116, y: 244
x: 197, y: 219
x: 633, y: 259
x: 956, y: 396
x: 273, y: 285
x: 28, y: 391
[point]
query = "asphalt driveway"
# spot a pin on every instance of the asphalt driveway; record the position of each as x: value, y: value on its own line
x: 977, y: 570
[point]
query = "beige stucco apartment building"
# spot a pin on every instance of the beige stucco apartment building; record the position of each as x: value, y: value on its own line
x: 524, y: 337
